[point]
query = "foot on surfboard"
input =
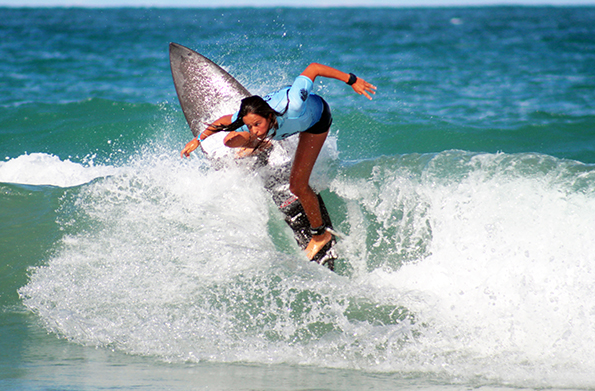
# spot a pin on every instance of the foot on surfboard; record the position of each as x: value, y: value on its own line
x: 326, y: 255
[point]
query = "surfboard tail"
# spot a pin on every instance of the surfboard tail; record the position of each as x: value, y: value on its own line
x: 296, y: 218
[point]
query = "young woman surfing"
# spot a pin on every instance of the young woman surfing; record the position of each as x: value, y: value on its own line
x: 279, y: 115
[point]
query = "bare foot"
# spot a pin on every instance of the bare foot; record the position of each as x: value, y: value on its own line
x: 317, y: 243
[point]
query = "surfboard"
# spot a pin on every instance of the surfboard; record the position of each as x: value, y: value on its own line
x: 206, y: 92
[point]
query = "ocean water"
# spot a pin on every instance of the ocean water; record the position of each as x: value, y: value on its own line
x: 464, y: 191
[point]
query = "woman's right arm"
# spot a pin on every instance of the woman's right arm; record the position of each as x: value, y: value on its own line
x: 193, y: 144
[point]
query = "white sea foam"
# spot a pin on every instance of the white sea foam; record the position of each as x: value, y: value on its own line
x: 172, y: 260
x: 503, y: 290
x: 49, y: 170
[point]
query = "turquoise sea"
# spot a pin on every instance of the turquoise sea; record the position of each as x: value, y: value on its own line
x: 465, y: 192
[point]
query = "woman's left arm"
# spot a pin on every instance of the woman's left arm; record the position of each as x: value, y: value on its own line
x: 360, y: 86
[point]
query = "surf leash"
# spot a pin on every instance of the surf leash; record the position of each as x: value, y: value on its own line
x: 335, y: 233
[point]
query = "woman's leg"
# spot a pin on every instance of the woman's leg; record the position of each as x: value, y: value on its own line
x: 307, y: 152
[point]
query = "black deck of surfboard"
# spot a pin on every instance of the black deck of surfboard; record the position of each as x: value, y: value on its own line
x: 206, y: 92
x: 296, y: 218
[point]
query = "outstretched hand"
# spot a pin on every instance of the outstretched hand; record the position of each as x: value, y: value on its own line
x: 191, y: 146
x: 362, y: 87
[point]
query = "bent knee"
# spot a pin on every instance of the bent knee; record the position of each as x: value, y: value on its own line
x: 299, y: 189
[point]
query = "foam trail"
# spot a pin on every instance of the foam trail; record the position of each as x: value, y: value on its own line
x: 170, y: 260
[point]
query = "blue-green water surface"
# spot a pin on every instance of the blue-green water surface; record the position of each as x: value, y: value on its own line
x: 464, y: 191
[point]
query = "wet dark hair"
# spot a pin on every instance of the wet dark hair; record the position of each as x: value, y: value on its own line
x: 252, y: 105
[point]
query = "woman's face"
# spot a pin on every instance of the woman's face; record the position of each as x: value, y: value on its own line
x: 257, y: 124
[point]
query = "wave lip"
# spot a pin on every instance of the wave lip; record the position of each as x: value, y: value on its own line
x: 42, y: 169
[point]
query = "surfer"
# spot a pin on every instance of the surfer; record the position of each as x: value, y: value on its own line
x: 279, y: 115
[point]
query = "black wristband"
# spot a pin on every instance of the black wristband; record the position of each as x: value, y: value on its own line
x: 352, y: 79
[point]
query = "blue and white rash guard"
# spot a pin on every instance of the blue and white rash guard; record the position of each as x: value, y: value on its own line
x: 304, y: 108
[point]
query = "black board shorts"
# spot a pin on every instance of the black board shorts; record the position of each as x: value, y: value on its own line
x: 325, y: 121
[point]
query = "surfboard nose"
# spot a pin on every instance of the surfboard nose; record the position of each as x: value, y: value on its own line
x: 177, y: 50
x: 205, y: 90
